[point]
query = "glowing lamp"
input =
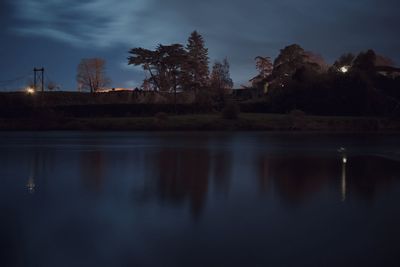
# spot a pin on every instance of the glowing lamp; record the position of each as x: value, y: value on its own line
x: 344, y: 69
x: 30, y: 90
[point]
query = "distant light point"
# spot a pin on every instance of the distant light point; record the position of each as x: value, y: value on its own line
x: 30, y: 90
x: 344, y: 69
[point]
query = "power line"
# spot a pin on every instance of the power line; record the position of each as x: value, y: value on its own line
x: 19, y: 78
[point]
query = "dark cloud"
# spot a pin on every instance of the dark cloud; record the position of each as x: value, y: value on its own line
x: 237, y: 29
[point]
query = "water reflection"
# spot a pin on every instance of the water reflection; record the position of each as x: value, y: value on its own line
x: 344, y: 181
x: 277, y: 199
x: 92, y: 164
x: 369, y: 175
x: 296, y: 178
x: 37, y: 167
x: 183, y: 174
x: 30, y: 185
x: 222, y: 170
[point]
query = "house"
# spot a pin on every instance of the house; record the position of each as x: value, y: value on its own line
x: 109, y: 90
x: 246, y: 93
x: 388, y: 71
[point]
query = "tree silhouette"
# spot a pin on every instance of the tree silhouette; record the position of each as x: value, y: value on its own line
x: 227, y: 76
x: 195, y: 68
x: 91, y: 74
x: 292, y: 60
x: 287, y: 63
x: 51, y: 86
x: 365, y: 62
x: 345, y: 60
x: 264, y: 66
x: 149, y: 60
x: 220, y: 76
x: 164, y: 64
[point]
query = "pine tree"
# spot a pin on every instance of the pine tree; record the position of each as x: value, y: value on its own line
x: 196, y: 67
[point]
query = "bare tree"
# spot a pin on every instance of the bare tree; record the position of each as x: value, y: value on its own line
x: 91, y: 74
x: 220, y: 78
x: 52, y: 86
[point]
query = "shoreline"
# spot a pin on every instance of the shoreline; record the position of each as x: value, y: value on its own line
x: 254, y: 122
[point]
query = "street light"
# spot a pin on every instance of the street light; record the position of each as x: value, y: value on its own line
x: 344, y: 69
x: 30, y: 90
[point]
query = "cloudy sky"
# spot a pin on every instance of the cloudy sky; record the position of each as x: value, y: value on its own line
x: 56, y: 34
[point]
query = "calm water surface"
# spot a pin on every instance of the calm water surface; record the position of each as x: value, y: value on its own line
x: 199, y: 199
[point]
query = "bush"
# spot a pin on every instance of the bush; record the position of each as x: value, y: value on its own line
x: 161, y: 116
x: 204, y: 100
x: 297, y: 113
x: 231, y: 111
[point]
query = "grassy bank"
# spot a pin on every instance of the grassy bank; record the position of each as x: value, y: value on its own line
x: 208, y: 122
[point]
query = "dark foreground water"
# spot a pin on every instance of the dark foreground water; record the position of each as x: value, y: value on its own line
x: 199, y: 199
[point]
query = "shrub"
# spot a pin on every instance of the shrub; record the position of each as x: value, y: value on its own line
x: 161, y: 116
x: 297, y: 113
x: 231, y: 111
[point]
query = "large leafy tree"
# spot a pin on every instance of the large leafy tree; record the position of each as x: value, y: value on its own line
x: 195, y: 67
x: 91, y: 74
x: 163, y: 64
x: 365, y: 62
x: 344, y: 61
x: 292, y: 60
x: 149, y: 60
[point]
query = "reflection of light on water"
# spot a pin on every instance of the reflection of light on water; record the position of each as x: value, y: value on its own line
x: 30, y: 185
x: 344, y: 181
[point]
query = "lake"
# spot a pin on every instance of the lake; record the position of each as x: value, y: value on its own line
x: 199, y: 199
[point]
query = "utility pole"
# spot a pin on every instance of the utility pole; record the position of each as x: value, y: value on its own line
x: 39, y: 78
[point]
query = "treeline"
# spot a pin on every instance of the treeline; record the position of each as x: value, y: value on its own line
x: 366, y: 84
x: 173, y: 68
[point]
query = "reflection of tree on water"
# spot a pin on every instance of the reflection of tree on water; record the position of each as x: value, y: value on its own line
x: 183, y: 174
x: 298, y: 177
x: 367, y: 175
x: 92, y: 167
x: 221, y: 169
x: 264, y: 173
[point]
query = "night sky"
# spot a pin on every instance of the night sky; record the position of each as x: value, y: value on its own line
x: 56, y: 34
